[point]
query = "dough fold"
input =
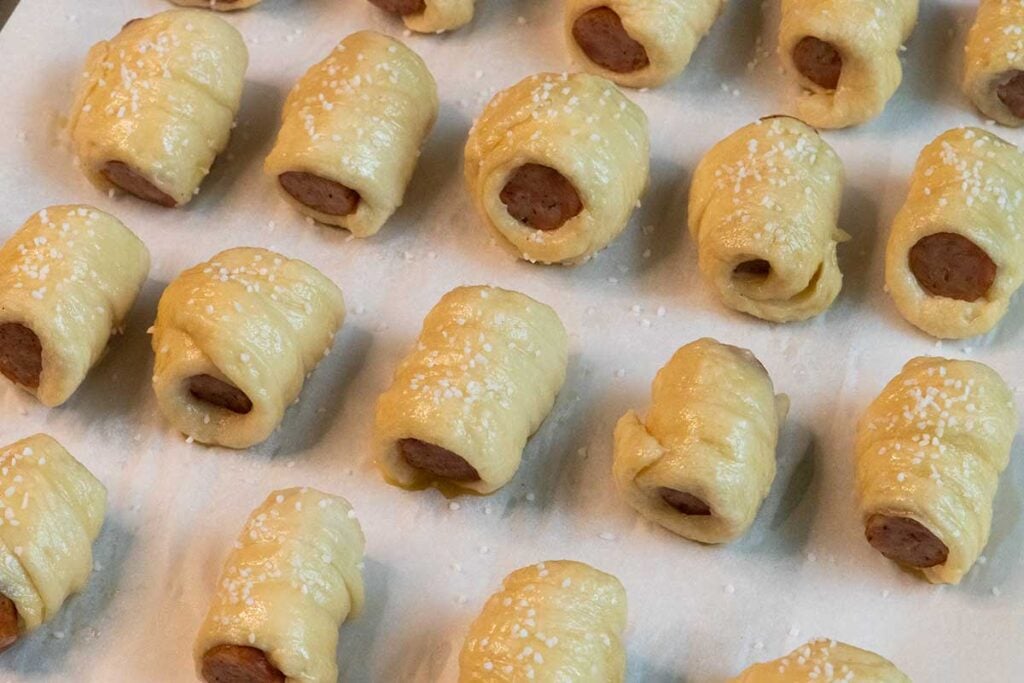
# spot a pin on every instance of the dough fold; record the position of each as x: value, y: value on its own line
x: 711, y: 433
x: 293, y: 577
x: 441, y: 15
x: 825, y: 660
x: 994, y: 55
x: 931, y: 448
x: 553, y: 622
x: 251, y: 318
x: 358, y: 118
x: 218, y: 5
x: 769, y: 195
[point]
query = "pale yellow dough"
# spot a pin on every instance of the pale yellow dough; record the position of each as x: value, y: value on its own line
x: 70, y: 274
x: 483, y: 376
x: 358, y: 118
x: 52, y: 510
x: 161, y: 97
x: 440, y: 16
x: 825, y: 661
x: 553, y: 622
x: 868, y: 35
x: 669, y: 30
x: 770, y: 192
x: 292, y: 579
x: 971, y: 183
x: 250, y: 317
x: 711, y: 432
x: 218, y: 5
x: 583, y: 127
x: 931, y: 448
x: 994, y: 54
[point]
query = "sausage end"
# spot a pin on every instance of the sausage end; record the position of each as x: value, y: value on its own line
x: 819, y: 62
x: 905, y: 541
x: 437, y: 461
x: 599, y: 33
x: 320, y: 194
x: 239, y: 664
x: 21, y: 355
x: 540, y: 197
x: 8, y: 622
x: 950, y: 265
x: 134, y: 183
x: 686, y: 503
x: 219, y: 393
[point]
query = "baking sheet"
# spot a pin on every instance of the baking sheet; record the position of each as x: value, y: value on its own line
x: 697, y: 614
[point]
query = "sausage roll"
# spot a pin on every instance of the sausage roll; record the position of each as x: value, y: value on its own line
x: 994, y: 61
x: 157, y: 103
x: 845, y: 55
x: 956, y: 251
x: 293, y: 577
x: 825, y: 660
x: 218, y: 5
x: 557, y: 163
x: 351, y: 133
x: 638, y: 43
x: 484, y: 375
x: 553, y: 622
x: 704, y: 460
x: 930, y: 450
x: 68, y: 278
x: 430, y: 16
x: 763, y: 209
x: 52, y: 510
x: 235, y: 338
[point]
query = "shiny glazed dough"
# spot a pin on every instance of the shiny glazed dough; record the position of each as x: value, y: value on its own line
x: 711, y: 432
x: 440, y: 16
x: 161, y: 97
x: 994, y: 53
x: 484, y: 374
x: 218, y: 5
x: 868, y: 35
x: 825, y: 661
x: 553, y: 622
x: 669, y: 30
x: 53, y: 510
x: 971, y: 183
x: 931, y: 447
x: 358, y: 118
x: 70, y: 274
x: 293, y: 577
x: 770, y: 192
x: 583, y: 127
x: 253, y: 318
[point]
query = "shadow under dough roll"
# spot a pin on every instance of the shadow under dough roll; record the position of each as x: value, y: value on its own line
x: 556, y: 164
x: 429, y: 16
x: 845, y: 55
x: 68, y: 278
x: 994, y: 62
x: 955, y: 254
x: 351, y: 133
x: 484, y: 374
x: 813, y: 661
x: 235, y: 338
x: 156, y: 104
x: 763, y: 209
x: 218, y: 5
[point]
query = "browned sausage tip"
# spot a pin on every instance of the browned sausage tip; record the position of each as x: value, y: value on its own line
x: 540, y: 197
x: 239, y: 664
x: 21, y: 355
x: 8, y: 622
x: 437, y: 461
x: 818, y: 61
x: 219, y: 393
x: 401, y: 7
x: 320, y: 194
x: 131, y: 181
x: 1011, y: 93
x: 754, y: 268
x: 905, y: 541
x: 602, y: 37
x: 950, y: 265
x: 686, y: 503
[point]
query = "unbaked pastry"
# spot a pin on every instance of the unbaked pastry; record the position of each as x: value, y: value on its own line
x: 763, y: 209
x: 218, y: 5
x: 235, y: 338
x: 483, y: 376
x: 351, y: 133
x: 292, y: 579
x: 825, y: 661
x: 704, y: 459
x: 994, y: 61
x: 956, y: 251
x: 157, y: 103
x: 68, y: 278
x: 930, y: 449
x: 552, y: 622
x: 580, y: 139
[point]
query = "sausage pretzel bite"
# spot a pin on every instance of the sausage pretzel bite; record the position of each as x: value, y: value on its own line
x: 994, y: 62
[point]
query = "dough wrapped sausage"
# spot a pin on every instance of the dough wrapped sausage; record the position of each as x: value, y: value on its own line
x: 930, y: 450
x: 68, y: 278
x: 845, y: 55
x: 763, y: 209
x: 704, y: 460
x: 51, y: 510
x: 484, y: 375
x: 556, y: 164
x: 430, y: 16
x: 553, y: 622
x: 218, y: 5
x: 351, y: 133
x: 825, y: 661
x: 235, y: 338
x: 956, y: 251
x: 157, y: 103
x: 294, y: 576
x: 994, y: 61
x: 638, y: 43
